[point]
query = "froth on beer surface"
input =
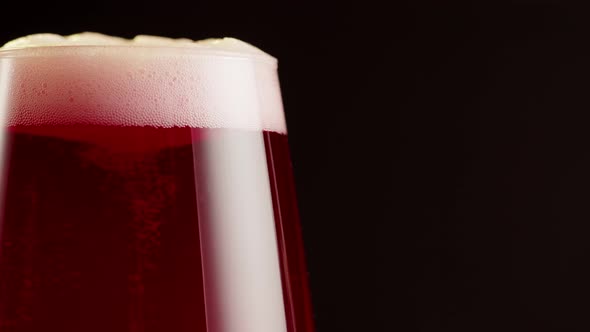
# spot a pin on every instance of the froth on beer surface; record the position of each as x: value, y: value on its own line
x: 227, y: 44
x: 96, y: 79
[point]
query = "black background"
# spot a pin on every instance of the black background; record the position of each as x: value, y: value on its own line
x: 493, y: 168
x: 328, y: 88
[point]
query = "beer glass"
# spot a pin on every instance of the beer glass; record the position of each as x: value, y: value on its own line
x: 146, y: 189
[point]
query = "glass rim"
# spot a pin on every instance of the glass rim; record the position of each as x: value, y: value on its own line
x: 68, y: 50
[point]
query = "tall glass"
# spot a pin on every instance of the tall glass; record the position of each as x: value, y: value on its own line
x: 146, y: 189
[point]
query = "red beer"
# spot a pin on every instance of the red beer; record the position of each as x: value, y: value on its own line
x: 147, y: 188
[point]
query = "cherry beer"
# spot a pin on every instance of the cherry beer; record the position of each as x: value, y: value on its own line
x: 147, y: 188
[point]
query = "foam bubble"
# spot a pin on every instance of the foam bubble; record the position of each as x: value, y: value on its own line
x: 91, y: 78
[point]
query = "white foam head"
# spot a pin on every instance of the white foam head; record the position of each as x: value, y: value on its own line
x: 90, y: 78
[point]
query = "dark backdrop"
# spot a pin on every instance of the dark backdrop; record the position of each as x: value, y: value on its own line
x: 493, y: 167
x: 327, y: 89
